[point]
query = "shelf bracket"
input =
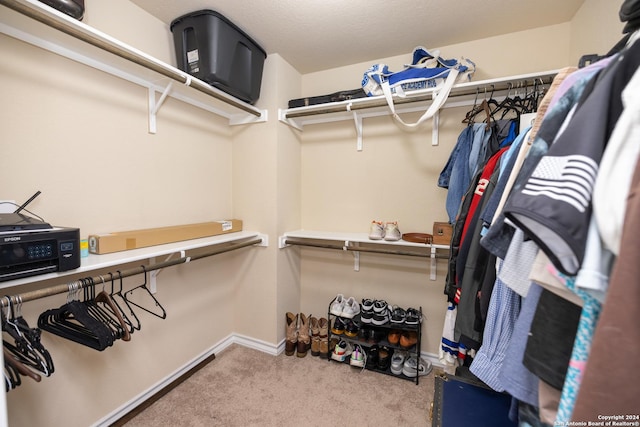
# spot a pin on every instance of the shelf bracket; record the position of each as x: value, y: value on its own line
x: 436, y: 129
x: 358, y: 122
x: 282, y: 116
x: 153, y: 275
x: 356, y: 255
x: 434, y: 264
x: 154, y: 106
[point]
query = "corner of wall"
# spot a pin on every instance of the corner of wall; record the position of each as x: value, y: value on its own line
x: 595, y: 29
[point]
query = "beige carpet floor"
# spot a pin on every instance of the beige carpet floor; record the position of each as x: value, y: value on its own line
x: 246, y: 387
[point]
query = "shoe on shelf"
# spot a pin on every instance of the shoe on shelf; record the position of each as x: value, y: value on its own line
x: 372, y: 357
x: 337, y: 305
x: 379, y: 306
x: 394, y: 336
x: 358, y: 356
x: 366, y: 316
x: 408, y: 339
x: 367, y: 304
x: 397, y: 361
x: 392, y: 232
x: 413, y: 317
x: 372, y: 336
x: 338, y: 326
x: 412, y: 367
x: 351, y: 328
x: 398, y: 315
x: 381, y: 318
x: 341, y: 351
x: 351, y: 308
x: 376, y: 230
x: 384, y: 358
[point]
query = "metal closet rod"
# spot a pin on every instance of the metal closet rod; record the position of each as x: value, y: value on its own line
x: 156, y: 66
x: 60, y: 289
x: 468, y: 90
x: 360, y: 249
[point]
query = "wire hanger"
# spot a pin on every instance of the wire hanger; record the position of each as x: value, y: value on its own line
x: 163, y: 314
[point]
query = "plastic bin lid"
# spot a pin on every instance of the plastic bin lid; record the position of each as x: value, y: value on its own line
x: 217, y: 15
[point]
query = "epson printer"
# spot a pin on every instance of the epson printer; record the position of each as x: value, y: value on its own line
x: 29, y: 247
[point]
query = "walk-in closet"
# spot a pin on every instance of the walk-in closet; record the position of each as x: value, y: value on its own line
x: 105, y: 133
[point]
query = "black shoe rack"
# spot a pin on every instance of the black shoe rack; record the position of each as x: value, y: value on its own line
x: 370, y: 335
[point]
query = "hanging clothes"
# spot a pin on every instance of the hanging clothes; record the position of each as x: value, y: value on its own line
x: 554, y: 206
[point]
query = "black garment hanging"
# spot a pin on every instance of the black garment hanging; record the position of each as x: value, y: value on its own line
x: 76, y: 322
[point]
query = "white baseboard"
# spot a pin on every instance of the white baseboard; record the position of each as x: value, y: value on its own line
x: 217, y: 348
x: 242, y: 340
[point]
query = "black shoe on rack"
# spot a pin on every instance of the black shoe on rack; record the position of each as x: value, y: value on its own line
x: 351, y: 328
x: 398, y: 315
x: 384, y: 358
x: 338, y: 326
x: 413, y: 317
x: 372, y: 357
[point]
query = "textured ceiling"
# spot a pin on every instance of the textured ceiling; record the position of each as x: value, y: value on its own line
x: 314, y: 35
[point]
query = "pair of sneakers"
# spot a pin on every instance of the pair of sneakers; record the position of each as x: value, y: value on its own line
x: 345, y: 307
x: 354, y: 353
x: 375, y: 312
x: 388, y: 231
x: 409, y: 366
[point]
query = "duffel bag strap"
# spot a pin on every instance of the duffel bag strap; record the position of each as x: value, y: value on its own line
x: 438, y: 101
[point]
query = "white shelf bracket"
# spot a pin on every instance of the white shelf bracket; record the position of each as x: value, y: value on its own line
x: 154, y: 106
x: 356, y: 255
x: 434, y: 265
x: 282, y: 116
x: 265, y: 240
x: 436, y: 129
x: 282, y: 242
x: 358, y: 122
x: 153, y: 275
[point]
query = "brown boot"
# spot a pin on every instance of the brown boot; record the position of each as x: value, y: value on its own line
x: 292, y: 334
x: 304, y: 339
x: 315, y: 336
x: 323, y: 333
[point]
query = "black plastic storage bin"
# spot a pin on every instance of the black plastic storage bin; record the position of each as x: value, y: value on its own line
x: 211, y: 48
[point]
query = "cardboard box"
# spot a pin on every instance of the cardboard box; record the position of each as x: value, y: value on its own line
x: 442, y: 232
x: 126, y: 240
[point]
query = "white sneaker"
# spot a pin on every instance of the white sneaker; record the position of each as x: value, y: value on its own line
x: 412, y: 368
x: 337, y: 305
x: 341, y: 351
x: 392, y: 232
x: 351, y: 308
x: 397, y: 361
x: 376, y: 231
x: 358, y: 356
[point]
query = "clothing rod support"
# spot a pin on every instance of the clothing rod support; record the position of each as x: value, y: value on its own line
x: 61, y: 289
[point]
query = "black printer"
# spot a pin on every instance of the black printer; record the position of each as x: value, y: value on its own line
x: 29, y: 247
